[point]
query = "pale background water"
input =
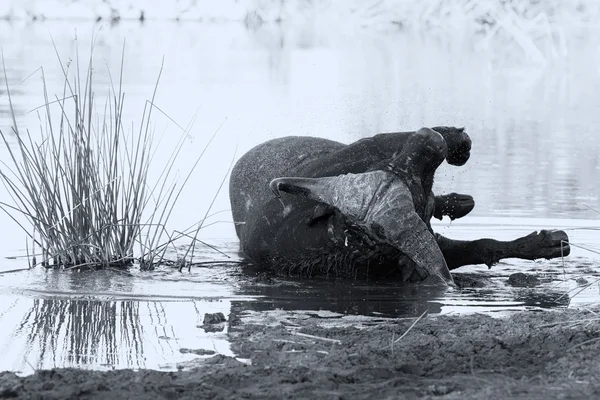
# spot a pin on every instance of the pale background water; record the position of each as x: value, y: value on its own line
x: 535, y: 164
x: 534, y: 129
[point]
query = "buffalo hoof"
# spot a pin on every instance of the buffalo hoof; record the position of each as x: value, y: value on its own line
x: 454, y: 205
x: 545, y: 244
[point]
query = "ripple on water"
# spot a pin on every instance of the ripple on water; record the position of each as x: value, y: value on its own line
x: 134, y: 319
x: 144, y: 320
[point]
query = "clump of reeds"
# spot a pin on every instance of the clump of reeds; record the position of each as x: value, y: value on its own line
x: 83, y: 186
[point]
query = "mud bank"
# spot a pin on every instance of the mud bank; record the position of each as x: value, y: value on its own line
x: 327, y: 355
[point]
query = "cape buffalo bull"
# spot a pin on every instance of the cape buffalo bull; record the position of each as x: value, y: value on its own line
x: 316, y: 207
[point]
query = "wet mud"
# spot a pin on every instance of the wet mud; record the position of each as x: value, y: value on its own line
x: 326, y: 355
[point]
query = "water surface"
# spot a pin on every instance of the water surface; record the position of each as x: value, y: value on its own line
x: 534, y: 165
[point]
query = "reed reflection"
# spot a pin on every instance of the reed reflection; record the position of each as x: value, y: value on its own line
x: 79, y: 333
x: 62, y: 332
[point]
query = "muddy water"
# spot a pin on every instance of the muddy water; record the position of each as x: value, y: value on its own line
x: 106, y: 320
x: 535, y: 165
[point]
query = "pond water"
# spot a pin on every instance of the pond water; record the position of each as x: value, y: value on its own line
x: 535, y: 164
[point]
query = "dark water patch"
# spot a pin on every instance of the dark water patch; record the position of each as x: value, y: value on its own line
x: 476, y: 292
x: 345, y: 297
x: 532, y: 299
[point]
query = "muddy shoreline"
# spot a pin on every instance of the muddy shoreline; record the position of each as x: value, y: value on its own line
x: 549, y: 354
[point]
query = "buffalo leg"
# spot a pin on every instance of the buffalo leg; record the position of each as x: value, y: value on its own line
x: 545, y: 244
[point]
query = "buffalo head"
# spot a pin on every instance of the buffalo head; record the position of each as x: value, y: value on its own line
x: 390, y: 202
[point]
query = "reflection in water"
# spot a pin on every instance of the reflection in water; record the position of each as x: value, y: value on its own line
x: 398, y: 300
x: 104, y: 320
x: 345, y: 297
x: 534, y: 154
x: 13, y: 79
x: 84, y: 332
x: 540, y: 299
x: 107, y: 334
x: 305, y: 80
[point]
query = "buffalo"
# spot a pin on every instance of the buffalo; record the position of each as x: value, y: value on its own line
x: 316, y: 207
